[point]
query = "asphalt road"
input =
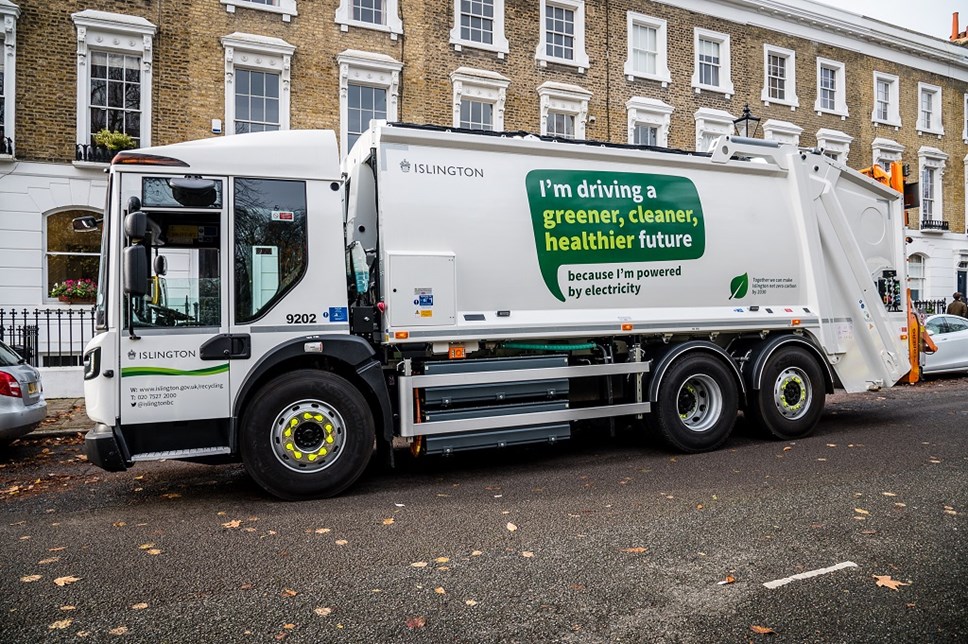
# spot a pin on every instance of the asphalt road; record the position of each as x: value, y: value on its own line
x: 598, y: 540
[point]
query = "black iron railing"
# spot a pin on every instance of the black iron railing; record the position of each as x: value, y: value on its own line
x: 6, y: 145
x: 48, y: 337
x: 934, y: 224
x: 93, y: 153
x: 930, y: 307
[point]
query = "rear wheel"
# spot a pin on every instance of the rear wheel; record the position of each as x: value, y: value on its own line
x: 790, y: 400
x: 308, y: 434
x: 696, y: 405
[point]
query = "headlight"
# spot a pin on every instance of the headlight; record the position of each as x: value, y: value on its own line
x: 92, y: 363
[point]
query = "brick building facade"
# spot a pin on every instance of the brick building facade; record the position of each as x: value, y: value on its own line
x: 664, y: 72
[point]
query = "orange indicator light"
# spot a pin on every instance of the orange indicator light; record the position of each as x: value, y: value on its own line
x: 401, y: 335
x: 626, y: 326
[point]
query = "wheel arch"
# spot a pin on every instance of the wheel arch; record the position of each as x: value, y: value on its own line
x: 349, y: 357
x: 762, y: 352
x: 672, y: 353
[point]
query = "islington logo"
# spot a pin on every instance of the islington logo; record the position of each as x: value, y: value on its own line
x: 162, y: 355
x: 443, y: 170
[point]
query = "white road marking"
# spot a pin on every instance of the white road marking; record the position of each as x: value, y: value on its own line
x: 812, y: 573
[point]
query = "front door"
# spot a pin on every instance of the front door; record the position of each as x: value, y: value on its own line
x: 174, y: 347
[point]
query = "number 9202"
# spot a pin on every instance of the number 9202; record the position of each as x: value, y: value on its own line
x: 301, y: 318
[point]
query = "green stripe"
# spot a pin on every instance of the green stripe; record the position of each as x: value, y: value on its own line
x: 165, y: 371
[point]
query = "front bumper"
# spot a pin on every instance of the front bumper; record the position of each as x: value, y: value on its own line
x: 104, y: 449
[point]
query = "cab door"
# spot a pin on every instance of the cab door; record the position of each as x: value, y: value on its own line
x: 174, y: 343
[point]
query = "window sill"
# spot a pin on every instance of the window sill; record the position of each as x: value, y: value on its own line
x: 792, y: 104
x: 725, y: 90
x: 470, y: 44
x: 894, y: 124
x: 581, y: 66
x: 344, y: 26
x: 842, y: 114
x: 937, y: 133
x: 286, y: 8
x: 660, y: 78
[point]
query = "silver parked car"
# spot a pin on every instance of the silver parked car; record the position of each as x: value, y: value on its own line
x: 22, y: 404
x: 950, y: 333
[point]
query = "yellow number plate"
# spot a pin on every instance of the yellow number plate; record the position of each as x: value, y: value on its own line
x: 31, y: 387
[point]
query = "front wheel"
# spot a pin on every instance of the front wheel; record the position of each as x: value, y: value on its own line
x: 308, y: 434
x: 696, y: 405
x: 790, y: 400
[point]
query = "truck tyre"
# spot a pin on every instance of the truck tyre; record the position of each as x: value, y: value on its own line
x: 790, y: 400
x: 696, y: 404
x: 308, y: 434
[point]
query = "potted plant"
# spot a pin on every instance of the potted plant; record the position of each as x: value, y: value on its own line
x: 114, y: 141
x: 80, y: 291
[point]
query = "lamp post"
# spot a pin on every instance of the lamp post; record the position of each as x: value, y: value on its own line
x: 747, y: 124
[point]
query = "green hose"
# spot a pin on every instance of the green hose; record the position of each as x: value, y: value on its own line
x: 526, y: 346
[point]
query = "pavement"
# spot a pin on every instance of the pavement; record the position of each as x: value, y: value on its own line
x: 64, y: 416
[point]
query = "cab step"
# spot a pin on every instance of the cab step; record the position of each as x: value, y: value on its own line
x: 176, y: 454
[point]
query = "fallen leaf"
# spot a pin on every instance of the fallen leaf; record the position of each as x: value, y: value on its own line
x: 120, y: 630
x: 341, y: 542
x: 323, y: 611
x: 58, y: 549
x: 527, y: 553
x: 289, y: 627
x: 511, y: 527
x: 635, y: 550
x: 44, y: 562
x: 322, y: 530
x: 232, y: 524
x: 63, y: 623
x: 888, y: 494
x: 288, y: 592
x: 419, y: 564
x: 699, y: 506
x: 388, y: 521
x: 729, y: 580
x: 442, y: 559
x: 440, y: 590
x: 861, y: 511
x: 171, y: 495
x: 63, y: 581
x: 119, y: 524
x: 476, y: 553
x: 140, y: 606
x: 153, y: 551
x: 887, y: 582
x: 787, y: 448
x: 762, y: 630
x: 146, y: 546
x: 470, y: 602
x: 246, y: 586
x: 67, y: 607
x: 30, y: 578
x: 416, y: 622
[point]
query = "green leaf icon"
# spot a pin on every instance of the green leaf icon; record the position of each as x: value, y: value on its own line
x: 739, y: 285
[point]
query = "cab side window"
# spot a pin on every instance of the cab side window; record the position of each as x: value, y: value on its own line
x: 270, y: 243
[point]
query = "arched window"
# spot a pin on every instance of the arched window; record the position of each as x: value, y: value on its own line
x: 69, y: 255
x: 916, y: 276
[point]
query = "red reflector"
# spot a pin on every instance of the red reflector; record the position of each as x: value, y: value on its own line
x: 137, y: 158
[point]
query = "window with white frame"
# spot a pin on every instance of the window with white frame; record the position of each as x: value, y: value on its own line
x: 564, y: 109
x: 285, y: 8
x: 964, y: 121
x: 886, y: 100
x: 831, y: 88
x: 835, y: 144
x: 562, y: 34
x: 710, y: 125
x: 648, y: 121
x: 886, y: 152
x: 932, y: 163
x: 114, y: 73
x: 779, y: 77
x: 479, y: 24
x: 257, y: 77
x: 929, y: 109
x: 915, y: 266
x: 479, y: 97
x: 648, y: 55
x: 368, y: 89
x: 381, y: 15
x: 782, y: 132
x: 711, y: 62
x: 9, y: 13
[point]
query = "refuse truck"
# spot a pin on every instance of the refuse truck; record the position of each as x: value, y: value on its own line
x: 442, y: 290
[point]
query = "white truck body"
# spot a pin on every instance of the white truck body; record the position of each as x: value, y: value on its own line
x: 485, y: 273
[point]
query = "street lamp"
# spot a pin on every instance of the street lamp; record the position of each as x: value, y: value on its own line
x: 747, y: 125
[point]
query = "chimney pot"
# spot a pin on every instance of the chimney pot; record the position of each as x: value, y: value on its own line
x: 955, y: 26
